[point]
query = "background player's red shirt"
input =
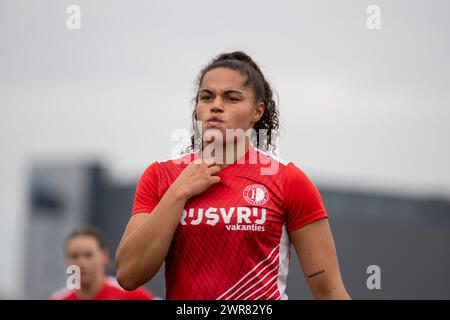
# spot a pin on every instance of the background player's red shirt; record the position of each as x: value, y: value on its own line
x: 232, y: 240
x: 110, y: 290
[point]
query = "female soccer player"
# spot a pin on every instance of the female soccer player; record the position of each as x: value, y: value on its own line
x: 86, y: 248
x: 223, y: 217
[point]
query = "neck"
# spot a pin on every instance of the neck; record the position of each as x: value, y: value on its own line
x: 227, y: 153
x: 90, y: 290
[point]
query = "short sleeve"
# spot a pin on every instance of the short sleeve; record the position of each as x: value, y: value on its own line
x: 146, y: 195
x: 303, y: 203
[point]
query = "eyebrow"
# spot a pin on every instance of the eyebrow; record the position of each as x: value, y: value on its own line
x: 225, y: 92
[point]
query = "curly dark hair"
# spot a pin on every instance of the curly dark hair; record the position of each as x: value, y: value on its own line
x: 262, y: 90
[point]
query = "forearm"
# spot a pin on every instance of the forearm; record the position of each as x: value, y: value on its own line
x: 337, y: 293
x: 140, y: 255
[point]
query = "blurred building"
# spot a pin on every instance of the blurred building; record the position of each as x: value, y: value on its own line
x: 407, y: 238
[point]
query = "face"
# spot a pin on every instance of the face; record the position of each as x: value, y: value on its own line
x: 85, y: 252
x: 225, y: 103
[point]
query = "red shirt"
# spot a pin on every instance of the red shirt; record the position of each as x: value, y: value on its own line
x: 110, y: 290
x: 232, y: 240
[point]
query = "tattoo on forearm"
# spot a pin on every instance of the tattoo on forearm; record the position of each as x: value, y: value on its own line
x: 316, y: 273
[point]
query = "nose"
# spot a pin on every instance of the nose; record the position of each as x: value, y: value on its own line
x: 217, y: 105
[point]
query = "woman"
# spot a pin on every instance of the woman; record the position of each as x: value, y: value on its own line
x: 86, y: 248
x: 223, y: 216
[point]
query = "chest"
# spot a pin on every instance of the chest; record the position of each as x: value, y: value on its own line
x: 238, y: 202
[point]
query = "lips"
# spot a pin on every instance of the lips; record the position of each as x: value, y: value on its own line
x: 214, y: 121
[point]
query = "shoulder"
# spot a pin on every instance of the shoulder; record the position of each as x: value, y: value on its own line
x: 293, y: 182
x: 293, y: 172
x: 271, y: 164
x: 296, y: 179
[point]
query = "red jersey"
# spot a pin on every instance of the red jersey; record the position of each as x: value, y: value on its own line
x: 232, y: 240
x: 110, y: 290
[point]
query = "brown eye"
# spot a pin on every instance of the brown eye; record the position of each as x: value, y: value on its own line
x: 205, y: 98
x: 233, y: 99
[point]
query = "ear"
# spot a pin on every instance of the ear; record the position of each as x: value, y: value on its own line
x: 258, y: 112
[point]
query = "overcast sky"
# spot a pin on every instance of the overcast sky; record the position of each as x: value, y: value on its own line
x: 360, y: 108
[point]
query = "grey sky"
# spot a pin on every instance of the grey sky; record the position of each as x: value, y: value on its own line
x: 359, y: 108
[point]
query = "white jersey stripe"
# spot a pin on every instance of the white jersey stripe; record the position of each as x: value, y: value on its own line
x: 258, y: 282
x: 273, y: 284
x: 255, y: 276
x: 248, y: 273
x: 265, y: 284
x: 284, y: 254
x: 272, y: 294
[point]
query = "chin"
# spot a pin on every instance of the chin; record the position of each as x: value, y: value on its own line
x: 211, y: 133
x: 85, y: 281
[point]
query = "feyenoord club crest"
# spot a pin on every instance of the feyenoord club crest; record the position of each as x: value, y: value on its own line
x: 256, y: 194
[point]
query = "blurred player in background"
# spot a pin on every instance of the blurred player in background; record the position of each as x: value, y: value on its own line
x: 86, y: 248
